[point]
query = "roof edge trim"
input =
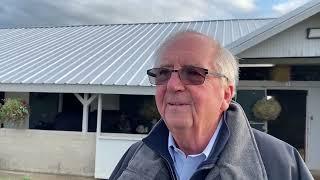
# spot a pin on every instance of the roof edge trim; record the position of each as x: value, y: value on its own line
x: 74, y: 88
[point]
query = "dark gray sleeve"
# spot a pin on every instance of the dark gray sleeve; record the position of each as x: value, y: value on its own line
x: 302, y: 170
x: 123, y: 163
x: 281, y: 160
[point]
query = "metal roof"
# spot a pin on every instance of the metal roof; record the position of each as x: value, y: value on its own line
x: 98, y: 54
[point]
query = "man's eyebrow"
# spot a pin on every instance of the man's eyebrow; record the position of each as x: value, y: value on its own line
x: 166, y: 65
x: 195, y: 65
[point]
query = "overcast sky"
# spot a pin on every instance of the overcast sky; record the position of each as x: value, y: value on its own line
x: 78, y: 12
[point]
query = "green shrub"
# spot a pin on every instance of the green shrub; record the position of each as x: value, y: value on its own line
x: 26, y: 178
x: 13, y: 110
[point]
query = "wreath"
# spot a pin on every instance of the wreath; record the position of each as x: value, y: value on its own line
x: 266, y: 109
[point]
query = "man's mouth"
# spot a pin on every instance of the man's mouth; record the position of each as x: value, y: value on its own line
x: 177, y: 104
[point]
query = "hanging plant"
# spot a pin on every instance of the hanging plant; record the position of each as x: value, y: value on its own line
x: 13, y: 111
x: 266, y: 109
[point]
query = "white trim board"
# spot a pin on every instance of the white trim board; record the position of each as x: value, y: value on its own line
x: 70, y: 88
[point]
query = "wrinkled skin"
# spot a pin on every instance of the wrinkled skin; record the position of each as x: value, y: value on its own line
x: 191, y: 112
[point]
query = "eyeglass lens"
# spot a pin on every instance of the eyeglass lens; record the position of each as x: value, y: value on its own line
x: 189, y: 75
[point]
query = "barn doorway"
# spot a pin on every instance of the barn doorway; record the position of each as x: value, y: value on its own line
x: 290, y: 126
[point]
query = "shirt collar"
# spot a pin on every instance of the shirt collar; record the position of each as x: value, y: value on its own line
x: 206, y: 151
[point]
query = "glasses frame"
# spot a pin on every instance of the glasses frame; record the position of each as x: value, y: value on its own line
x: 152, y: 76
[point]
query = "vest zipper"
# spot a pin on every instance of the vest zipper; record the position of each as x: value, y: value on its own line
x: 173, y: 175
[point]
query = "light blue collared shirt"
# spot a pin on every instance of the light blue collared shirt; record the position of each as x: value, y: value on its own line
x: 184, y: 165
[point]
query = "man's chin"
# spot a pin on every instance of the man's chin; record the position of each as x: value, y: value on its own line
x: 178, y: 122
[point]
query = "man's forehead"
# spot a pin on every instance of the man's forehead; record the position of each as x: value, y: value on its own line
x: 186, y: 48
x: 189, y: 40
x: 183, y: 59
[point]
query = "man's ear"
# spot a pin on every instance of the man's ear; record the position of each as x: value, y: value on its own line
x: 228, y: 94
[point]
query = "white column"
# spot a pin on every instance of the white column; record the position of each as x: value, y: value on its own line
x: 85, y: 113
x: 85, y: 102
x: 99, y: 115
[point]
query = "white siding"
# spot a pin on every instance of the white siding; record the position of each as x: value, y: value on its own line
x: 109, y: 150
x: 56, y: 152
x: 289, y: 43
x: 313, y: 125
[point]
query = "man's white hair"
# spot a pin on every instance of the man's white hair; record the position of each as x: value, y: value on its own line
x: 227, y: 64
x: 224, y: 62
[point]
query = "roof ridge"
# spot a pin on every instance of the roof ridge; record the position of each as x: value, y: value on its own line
x: 168, y: 22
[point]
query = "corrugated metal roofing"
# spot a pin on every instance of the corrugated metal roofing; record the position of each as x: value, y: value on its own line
x: 98, y: 54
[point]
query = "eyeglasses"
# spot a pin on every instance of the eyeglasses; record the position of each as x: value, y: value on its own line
x: 189, y: 75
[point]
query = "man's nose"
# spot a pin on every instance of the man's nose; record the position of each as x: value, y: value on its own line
x: 175, y: 83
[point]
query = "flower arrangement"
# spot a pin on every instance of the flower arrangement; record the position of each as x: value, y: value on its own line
x: 266, y: 109
x: 13, y: 111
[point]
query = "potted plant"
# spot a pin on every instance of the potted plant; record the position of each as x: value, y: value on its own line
x: 13, y: 112
x: 266, y: 109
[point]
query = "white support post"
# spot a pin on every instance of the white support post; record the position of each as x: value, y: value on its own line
x: 91, y: 99
x: 79, y: 98
x: 99, y: 115
x: 85, y: 114
x: 85, y: 103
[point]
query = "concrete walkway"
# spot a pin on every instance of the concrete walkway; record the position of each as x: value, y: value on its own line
x: 14, y: 175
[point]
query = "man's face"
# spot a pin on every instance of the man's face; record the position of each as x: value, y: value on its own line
x: 191, y: 107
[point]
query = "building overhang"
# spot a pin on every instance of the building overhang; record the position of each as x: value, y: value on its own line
x: 78, y: 88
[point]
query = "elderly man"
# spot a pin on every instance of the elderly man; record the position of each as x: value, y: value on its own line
x: 202, y: 133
